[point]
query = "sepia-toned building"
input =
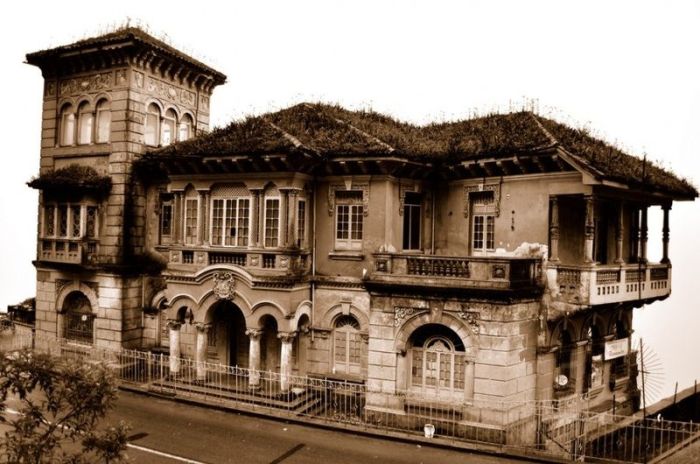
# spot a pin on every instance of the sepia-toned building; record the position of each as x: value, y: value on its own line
x: 492, y: 259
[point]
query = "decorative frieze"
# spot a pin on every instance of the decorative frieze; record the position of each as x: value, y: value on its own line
x: 335, y: 187
x: 81, y: 85
x: 170, y: 92
x: 471, y: 318
x: 404, y: 312
x: 495, y: 188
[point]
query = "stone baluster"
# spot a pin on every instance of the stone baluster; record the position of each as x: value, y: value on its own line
x: 254, y: 358
x: 666, y: 232
x: 174, y: 343
x: 287, y: 339
x: 554, y: 230
x: 590, y: 228
x: 201, y: 350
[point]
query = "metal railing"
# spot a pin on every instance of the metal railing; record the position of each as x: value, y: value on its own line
x: 553, y: 428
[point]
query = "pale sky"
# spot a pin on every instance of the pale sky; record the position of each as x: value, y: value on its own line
x: 628, y: 70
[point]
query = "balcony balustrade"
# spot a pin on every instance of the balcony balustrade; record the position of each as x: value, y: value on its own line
x: 602, y: 284
x: 476, y: 272
x: 269, y: 262
x: 70, y: 251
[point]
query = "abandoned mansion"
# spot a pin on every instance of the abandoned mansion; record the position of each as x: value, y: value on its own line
x: 495, y: 258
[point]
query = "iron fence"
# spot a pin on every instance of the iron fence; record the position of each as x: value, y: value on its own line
x: 566, y: 430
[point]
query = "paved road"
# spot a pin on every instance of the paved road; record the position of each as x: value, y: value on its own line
x: 200, y: 435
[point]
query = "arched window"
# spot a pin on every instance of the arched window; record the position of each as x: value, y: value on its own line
x: 152, y: 125
x: 185, y: 128
x: 168, y: 131
x: 437, y: 361
x: 85, y: 119
x: 104, y: 121
x: 347, y: 344
x: 67, y: 125
x: 620, y: 365
x: 78, y: 318
x: 563, y: 379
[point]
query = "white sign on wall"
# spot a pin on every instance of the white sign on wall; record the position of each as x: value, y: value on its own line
x: 616, y: 348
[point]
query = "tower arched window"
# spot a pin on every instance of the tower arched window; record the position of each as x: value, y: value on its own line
x: 104, y: 121
x: 85, y: 123
x: 563, y: 378
x: 185, y: 128
x: 78, y: 318
x: 168, y: 130
x: 594, y: 356
x: 67, y: 125
x: 347, y: 345
x: 152, y: 132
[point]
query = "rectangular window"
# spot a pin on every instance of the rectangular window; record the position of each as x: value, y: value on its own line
x: 191, y: 221
x: 230, y: 221
x: 62, y: 220
x: 272, y: 222
x: 91, y: 222
x: 75, y: 221
x: 349, y: 220
x: 151, y: 135
x: 49, y: 220
x: 68, y: 129
x: 301, y: 222
x: 412, y: 221
x: 483, y: 232
x: 85, y: 128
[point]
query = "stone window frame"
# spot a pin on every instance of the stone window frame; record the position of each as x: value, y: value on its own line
x: 83, y: 205
x: 66, y: 115
x: 190, y: 239
x: 349, y: 244
x: 236, y: 199
x: 404, y: 204
x: 349, y: 367
x: 267, y: 198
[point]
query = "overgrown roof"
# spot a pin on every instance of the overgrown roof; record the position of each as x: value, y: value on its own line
x: 73, y: 179
x: 329, y: 131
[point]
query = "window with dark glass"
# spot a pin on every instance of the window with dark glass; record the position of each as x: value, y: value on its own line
x: 412, y: 221
x: 78, y: 318
x: 166, y: 219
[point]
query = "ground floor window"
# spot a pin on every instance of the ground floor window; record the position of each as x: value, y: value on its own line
x: 78, y: 318
x: 347, y: 344
x: 438, y: 360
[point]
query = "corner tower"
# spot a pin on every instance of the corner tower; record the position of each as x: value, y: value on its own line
x: 107, y: 99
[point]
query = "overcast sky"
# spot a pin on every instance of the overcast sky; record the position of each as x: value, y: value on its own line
x: 628, y: 70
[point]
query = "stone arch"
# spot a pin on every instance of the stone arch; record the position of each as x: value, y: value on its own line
x: 303, y: 309
x: 561, y: 326
x: 159, y: 299
x: 175, y: 109
x: 346, y: 309
x: 177, y: 302
x: 268, y: 308
x: 593, y: 319
x: 84, y: 100
x: 456, y: 325
x: 154, y: 101
x: 203, y: 312
x: 76, y: 286
x: 619, y: 315
x: 102, y: 96
x: 64, y: 103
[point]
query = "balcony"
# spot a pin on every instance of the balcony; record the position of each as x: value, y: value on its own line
x: 603, y: 284
x: 70, y: 251
x: 257, y: 262
x: 492, y: 273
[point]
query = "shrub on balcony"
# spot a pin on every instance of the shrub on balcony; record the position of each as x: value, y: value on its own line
x: 73, y: 179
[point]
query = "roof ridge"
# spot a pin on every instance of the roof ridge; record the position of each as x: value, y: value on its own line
x: 295, y: 141
x: 367, y: 134
x: 544, y: 129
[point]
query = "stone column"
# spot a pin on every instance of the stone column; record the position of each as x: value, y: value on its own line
x: 202, y: 217
x: 286, y: 359
x: 666, y: 231
x: 174, y: 327
x: 469, y: 380
x: 284, y: 216
x: 201, y: 353
x: 254, y: 358
x: 580, y: 366
x: 554, y: 230
x: 619, y: 234
x: 402, y: 383
x: 177, y: 218
x: 590, y: 229
x: 292, y: 226
x: 255, y: 218
x: 643, y: 236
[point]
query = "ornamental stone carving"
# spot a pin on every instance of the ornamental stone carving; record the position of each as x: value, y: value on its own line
x: 404, y: 312
x: 80, y: 85
x: 495, y: 188
x: 170, y: 92
x: 254, y: 334
x: 224, y: 285
x: 472, y: 320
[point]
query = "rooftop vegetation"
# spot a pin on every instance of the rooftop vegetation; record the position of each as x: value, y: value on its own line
x: 73, y: 179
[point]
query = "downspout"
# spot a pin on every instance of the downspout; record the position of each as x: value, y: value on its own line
x: 312, y: 287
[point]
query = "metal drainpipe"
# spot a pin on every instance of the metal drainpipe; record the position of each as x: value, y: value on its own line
x: 313, y: 256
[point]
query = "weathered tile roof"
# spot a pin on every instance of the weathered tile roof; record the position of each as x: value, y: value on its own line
x: 330, y: 131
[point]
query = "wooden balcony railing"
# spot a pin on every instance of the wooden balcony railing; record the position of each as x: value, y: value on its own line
x: 71, y: 251
x: 497, y: 272
x: 596, y: 284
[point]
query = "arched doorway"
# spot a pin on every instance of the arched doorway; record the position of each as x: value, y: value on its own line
x: 301, y: 346
x: 78, y: 319
x: 347, y: 346
x: 227, y: 341
x: 270, y: 345
x: 438, y: 358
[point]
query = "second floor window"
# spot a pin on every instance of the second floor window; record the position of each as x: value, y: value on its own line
x: 349, y: 219
x: 85, y: 119
x: 152, y: 125
x: 166, y: 219
x: 191, y: 221
x: 272, y: 222
x: 230, y: 221
x: 67, y: 125
x: 482, y: 232
x: 104, y: 120
x: 411, y: 221
x: 73, y: 220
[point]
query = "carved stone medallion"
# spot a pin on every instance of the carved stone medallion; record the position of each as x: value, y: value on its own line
x: 224, y: 285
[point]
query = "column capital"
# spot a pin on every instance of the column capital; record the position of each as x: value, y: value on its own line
x: 287, y: 337
x: 254, y: 334
x: 174, y: 324
x: 202, y: 327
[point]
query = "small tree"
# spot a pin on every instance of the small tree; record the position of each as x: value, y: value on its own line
x: 61, y: 402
